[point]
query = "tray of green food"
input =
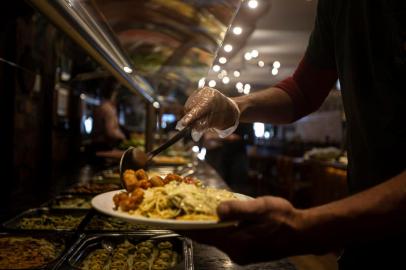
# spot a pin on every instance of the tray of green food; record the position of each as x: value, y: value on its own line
x: 46, y: 219
x: 132, y: 251
x: 71, y: 202
x: 92, y: 188
x: 100, y: 222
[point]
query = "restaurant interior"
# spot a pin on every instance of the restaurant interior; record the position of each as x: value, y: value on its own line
x: 67, y: 67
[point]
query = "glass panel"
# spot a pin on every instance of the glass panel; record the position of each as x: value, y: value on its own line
x: 156, y: 40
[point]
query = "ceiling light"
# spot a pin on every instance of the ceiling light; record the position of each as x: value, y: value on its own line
x: 201, y: 83
x: 212, y: 83
x: 247, y: 88
x: 253, y: 4
x: 254, y: 53
x: 247, y: 56
x: 275, y: 71
x: 226, y: 80
x: 239, y: 86
x: 127, y: 70
x: 216, y: 68
x: 228, y: 48
x: 236, y: 73
x: 237, y: 30
x: 222, y: 60
x: 156, y: 105
x: 276, y: 64
x: 261, y: 63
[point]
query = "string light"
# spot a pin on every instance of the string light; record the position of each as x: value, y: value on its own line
x: 236, y: 73
x: 228, y: 48
x: 237, y: 30
x: 253, y: 4
x: 239, y: 86
x: 261, y: 63
x: 212, y: 83
x: 202, y: 82
x: 275, y: 71
x: 222, y: 60
x: 247, y: 56
x: 216, y: 68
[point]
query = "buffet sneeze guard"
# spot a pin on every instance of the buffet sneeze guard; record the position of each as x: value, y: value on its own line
x: 158, y: 49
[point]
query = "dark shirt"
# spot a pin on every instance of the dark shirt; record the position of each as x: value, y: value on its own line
x: 364, y: 42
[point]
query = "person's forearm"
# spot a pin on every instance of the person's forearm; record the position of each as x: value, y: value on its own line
x: 377, y: 212
x: 271, y: 105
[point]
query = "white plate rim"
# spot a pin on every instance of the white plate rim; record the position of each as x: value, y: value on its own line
x: 104, y: 203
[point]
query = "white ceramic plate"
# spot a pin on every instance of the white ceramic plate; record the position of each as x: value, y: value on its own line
x: 104, y: 203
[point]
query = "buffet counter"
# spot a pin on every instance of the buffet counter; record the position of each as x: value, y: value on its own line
x: 66, y: 233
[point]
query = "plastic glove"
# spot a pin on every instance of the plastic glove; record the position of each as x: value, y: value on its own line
x: 207, y: 108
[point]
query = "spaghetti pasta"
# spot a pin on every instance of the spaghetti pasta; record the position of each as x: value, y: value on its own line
x: 173, y: 197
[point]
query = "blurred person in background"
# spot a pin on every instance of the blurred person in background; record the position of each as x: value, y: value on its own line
x: 107, y: 132
x: 363, y: 43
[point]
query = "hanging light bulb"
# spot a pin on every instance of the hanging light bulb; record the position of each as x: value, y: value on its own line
x: 228, y: 48
x: 237, y: 30
x: 247, y: 56
x: 226, y: 80
x: 201, y: 83
x: 253, y: 4
x: 275, y: 71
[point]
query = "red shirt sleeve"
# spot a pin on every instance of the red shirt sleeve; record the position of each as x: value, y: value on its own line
x: 308, y: 87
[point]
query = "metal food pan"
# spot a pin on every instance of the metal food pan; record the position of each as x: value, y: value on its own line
x: 91, y: 188
x: 61, y: 202
x: 60, y: 241
x: 109, y: 243
x: 22, y: 221
x: 103, y: 223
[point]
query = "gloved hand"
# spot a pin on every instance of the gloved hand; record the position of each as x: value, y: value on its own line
x: 207, y: 108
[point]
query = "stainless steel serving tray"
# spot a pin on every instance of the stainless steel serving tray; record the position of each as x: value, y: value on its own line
x: 14, y: 224
x: 91, y: 188
x: 92, y: 242
x: 62, y: 241
x: 56, y: 203
x: 102, y: 223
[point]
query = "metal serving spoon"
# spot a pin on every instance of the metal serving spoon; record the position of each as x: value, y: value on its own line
x: 134, y: 158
